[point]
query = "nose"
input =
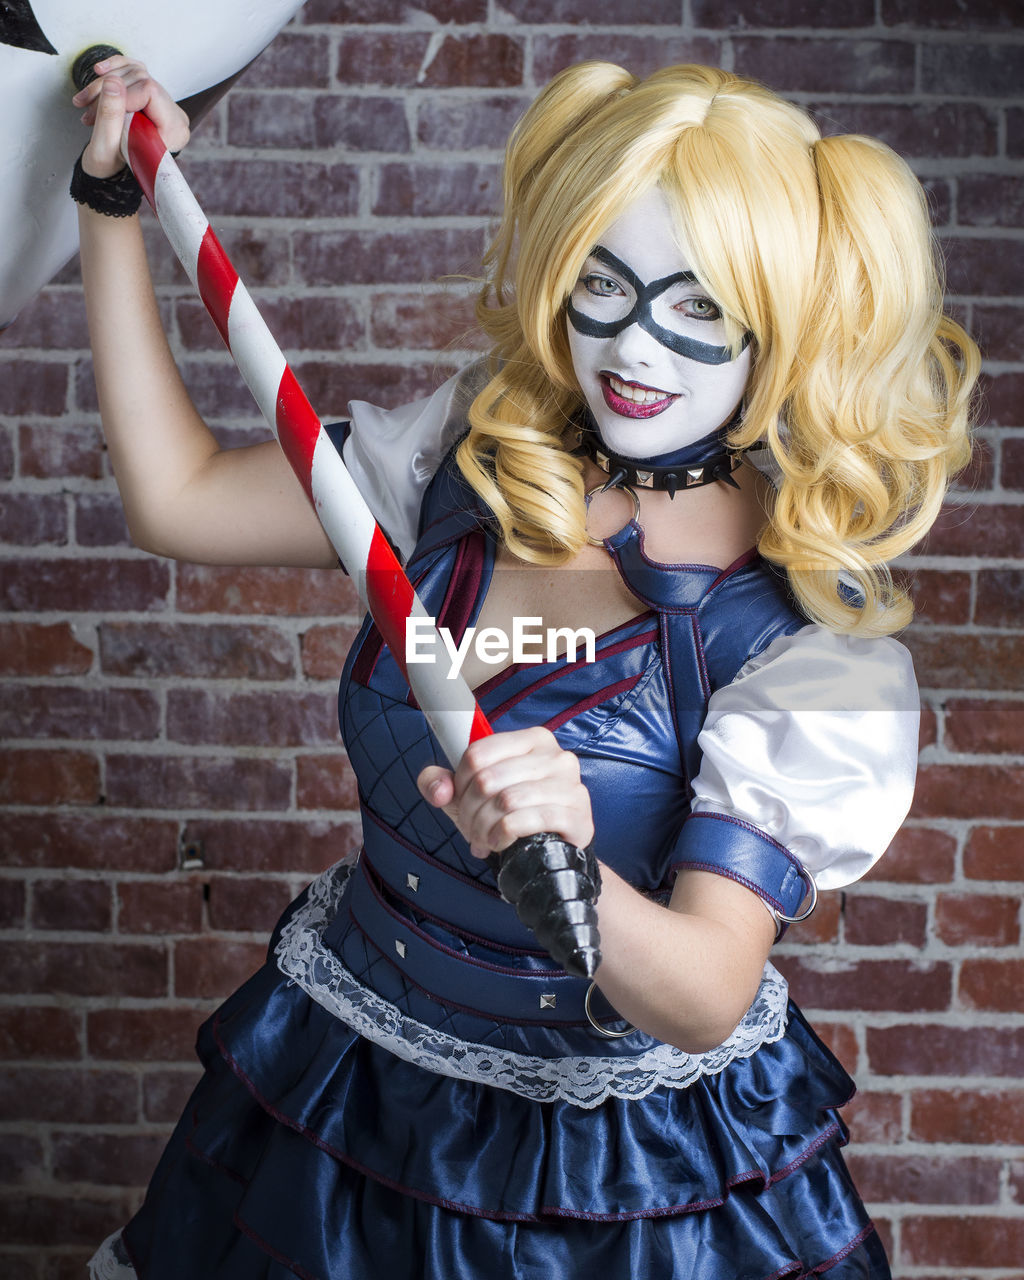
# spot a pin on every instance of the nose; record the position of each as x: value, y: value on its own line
x: 634, y: 347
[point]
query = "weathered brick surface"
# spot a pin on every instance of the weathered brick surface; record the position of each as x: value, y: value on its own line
x: 171, y: 768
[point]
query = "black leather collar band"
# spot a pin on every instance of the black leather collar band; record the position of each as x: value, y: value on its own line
x: 633, y: 471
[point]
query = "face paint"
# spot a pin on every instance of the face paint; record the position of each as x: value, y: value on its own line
x: 648, y: 342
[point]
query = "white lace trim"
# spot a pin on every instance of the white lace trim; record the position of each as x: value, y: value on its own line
x: 584, y: 1082
x: 105, y: 1265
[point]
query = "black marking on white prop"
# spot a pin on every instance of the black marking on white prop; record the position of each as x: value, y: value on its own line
x: 19, y: 27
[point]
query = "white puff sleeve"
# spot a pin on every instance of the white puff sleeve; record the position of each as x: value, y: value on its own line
x: 815, y: 744
x: 392, y: 454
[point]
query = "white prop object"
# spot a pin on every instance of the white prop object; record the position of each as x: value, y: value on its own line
x: 189, y: 46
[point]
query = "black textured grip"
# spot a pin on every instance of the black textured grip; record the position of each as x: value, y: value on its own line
x: 554, y: 886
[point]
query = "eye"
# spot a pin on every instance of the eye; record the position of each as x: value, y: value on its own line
x: 602, y: 286
x: 699, y: 308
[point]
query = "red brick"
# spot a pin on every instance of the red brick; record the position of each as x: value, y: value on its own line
x: 100, y: 521
x: 874, y: 921
x: 29, y: 1032
x: 924, y: 1179
x: 18, y: 1266
x: 143, y: 1035
x: 821, y: 927
x: 1000, y: 599
x: 941, y: 596
x: 250, y: 904
x: 71, y: 905
x: 977, y: 919
x: 953, y: 660
x: 1012, y: 474
x: 992, y: 985
x: 270, y: 120
x: 638, y: 54
x: 260, y: 255
x: 431, y: 190
x: 70, y: 585
x: 1016, y: 1186
x: 338, y: 12
x: 1003, y: 14
x: 988, y: 265
x: 332, y: 383
x: 610, y: 13
x: 840, y: 1040
x: 361, y: 123
x: 940, y: 1050
x: 826, y: 66
x: 976, y: 1117
x: 60, y: 452
x: 899, y: 985
x: 918, y: 855
x: 964, y: 1241
x: 218, y: 651
x: 6, y: 452
x: 33, y: 519
x: 875, y: 1117
x: 69, y: 1095
x: 106, y: 1159
x: 55, y: 711
x: 33, y: 386
x: 276, y: 188
x: 994, y: 853
x: 216, y: 387
x: 89, y: 843
x: 928, y: 734
x: 21, y: 1158
x: 382, y: 58
x: 324, y: 650
x: 160, y: 906
x: 41, y: 649
x: 54, y: 319
x: 49, y: 777
x: 1015, y: 131
x: 164, y: 1094
x: 916, y: 129
x: 213, y: 967
x: 385, y: 257
x: 197, y: 782
x: 1002, y: 395
x: 458, y: 124
x: 969, y: 791
x: 305, y: 324
x: 83, y: 968
x: 990, y: 200
x: 215, y: 589
x: 12, y: 904
x: 972, y: 70
x: 991, y: 530
x: 41, y: 1219
x: 985, y: 727
x: 293, y: 60
x: 999, y: 331
x: 436, y: 321
x: 325, y: 782
x: 784, y: 13
x: 279, y: 719
x: 295, y: 847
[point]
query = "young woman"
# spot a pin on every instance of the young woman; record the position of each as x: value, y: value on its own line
x: 722, y: 395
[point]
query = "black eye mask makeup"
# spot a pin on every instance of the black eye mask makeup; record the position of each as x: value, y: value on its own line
x: 641, y: 314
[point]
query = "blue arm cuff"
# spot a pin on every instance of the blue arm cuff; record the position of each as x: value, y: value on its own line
x: 730, y: 847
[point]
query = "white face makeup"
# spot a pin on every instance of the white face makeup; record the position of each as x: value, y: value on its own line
x: 648, y: 342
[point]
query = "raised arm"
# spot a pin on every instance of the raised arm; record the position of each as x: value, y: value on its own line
x: 184, y: 496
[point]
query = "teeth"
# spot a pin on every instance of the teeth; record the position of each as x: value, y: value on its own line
x: 638, y: 395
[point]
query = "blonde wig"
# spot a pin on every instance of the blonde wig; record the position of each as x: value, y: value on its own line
x: 820, y: 248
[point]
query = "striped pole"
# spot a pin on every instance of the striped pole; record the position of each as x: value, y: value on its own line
x: 443, y: 695
x: 552, y: 884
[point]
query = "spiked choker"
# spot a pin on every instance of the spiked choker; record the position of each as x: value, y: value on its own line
x: 700, y: 463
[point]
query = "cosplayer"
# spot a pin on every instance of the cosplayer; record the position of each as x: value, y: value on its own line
x: 721, y: 397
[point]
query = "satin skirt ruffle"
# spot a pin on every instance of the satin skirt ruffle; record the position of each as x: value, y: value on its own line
x: 307, y: 1151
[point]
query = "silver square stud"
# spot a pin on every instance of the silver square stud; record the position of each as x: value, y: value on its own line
x: 400, y: 947
x: 548, y: 1000
x: 412, y: 881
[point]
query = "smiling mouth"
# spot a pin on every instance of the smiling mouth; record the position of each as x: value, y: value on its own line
x: 633, y: 399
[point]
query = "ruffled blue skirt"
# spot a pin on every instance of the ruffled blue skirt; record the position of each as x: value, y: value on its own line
x: 308, y: 1151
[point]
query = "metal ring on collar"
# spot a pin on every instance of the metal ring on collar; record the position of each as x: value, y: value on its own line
x: 600, y: 488
x: 797, y: 919
x: 603, y: 1031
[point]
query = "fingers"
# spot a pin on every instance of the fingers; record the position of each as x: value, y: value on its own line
x: 102, y: 157
x: 139, y: 92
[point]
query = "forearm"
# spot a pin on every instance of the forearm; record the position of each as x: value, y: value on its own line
x: 685, y: 973
x: 157, y: 441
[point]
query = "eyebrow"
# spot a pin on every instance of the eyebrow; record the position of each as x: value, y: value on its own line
x: 629, y: 275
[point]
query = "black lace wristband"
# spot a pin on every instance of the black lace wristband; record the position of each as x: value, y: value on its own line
x: 117, y: 197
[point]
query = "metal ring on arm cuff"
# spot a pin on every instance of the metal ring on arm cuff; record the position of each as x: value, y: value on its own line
x: 603, y: 1031
x: 813, y: 891
x: 600, y: 488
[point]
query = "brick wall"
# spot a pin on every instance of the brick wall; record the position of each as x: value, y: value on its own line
x: 172, y: 774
